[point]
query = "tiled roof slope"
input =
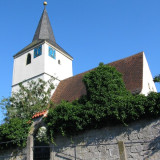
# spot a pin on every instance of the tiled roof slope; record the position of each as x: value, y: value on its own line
x: 131, y: 68
x: 39, y: 114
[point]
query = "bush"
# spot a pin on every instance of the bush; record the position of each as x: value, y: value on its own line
x: 14, y: 133
x: 107, y: 102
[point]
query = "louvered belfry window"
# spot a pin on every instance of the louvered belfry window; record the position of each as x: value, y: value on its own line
x: 37, y: 51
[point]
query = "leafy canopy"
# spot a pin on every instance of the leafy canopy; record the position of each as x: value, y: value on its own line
x: 29, y: 99
x: 103, y: 84
x: 156, y: 78
x: 20, y: 107
x: 107, y: 102
x: 14, y: 133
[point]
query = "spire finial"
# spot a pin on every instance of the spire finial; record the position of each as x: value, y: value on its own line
x: 45, y: 3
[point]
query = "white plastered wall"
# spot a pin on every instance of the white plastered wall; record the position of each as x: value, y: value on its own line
x: 23, y: 72
x: 60, y: 71
x: 148, y: 83
x: 15, y: 88
x: 43, y: 77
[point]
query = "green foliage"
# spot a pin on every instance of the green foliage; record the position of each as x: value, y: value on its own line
x: 28, y: 100
x: 41, y: 136
x: 66, y: 119
x: 157, y: 78
x: 107, y: 102
x: 153, y: 105
x: 20, y: 107
x: 104, y: 84
x: 14, y: 133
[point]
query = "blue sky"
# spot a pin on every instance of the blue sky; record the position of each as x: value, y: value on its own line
x: 92, y: 31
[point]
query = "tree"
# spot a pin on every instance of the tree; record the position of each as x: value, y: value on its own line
x: 105, y: 103
x: 29, y: 99
x: 103, y: 84
x: 14, y: 133
x: 156, y: 78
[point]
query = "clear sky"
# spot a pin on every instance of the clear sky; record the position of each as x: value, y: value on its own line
x: 92, y: 31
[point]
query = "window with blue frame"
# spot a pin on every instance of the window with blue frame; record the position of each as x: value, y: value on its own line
x: 37, y: 51
x: 52, y: 52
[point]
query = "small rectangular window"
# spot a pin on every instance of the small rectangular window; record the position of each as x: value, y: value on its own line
x: 37, y: 51
x: 52, y: 52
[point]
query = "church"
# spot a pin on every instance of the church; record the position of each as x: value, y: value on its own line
x: 44, y: 58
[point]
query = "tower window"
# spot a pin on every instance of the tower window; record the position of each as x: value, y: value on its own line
x: 59, y: 61
x: 28, y: 59
x: 37, y: 51
x: 52, y: 53
x: 149, y: 86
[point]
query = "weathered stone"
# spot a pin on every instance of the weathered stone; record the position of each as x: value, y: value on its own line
x: 136, y: 149
x: 141, y: 140
x: 133, y: 136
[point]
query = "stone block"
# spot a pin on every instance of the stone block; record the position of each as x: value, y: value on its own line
x: 136, y: 148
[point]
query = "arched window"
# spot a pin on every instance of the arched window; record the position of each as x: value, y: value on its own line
x: 28, y: 59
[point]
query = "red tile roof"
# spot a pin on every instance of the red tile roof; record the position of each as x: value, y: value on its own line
x: 131, y: 68
x: 39, y: 114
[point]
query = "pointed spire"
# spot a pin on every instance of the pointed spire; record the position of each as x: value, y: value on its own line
x: 44, y: 30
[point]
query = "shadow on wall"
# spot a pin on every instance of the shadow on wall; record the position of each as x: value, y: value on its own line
x: 154, y: 146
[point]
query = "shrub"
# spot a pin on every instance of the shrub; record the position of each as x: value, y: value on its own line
x: 14, y: 133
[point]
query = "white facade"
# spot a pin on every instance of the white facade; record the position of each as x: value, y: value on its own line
x: 52, y: 67
x: 43, y: 66
x: 148, y: 84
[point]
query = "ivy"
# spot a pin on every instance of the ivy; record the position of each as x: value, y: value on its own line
x: 156, y: 78
x: 107, y: 102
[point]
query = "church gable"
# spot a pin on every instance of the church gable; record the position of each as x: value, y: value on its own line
x: 148, y: 83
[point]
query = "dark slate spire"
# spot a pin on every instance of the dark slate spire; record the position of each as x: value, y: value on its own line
x: 43, y: 33
x: 44, y: 30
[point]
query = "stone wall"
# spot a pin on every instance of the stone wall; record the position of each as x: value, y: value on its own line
x: 141, y: 140
x: 13, y: 154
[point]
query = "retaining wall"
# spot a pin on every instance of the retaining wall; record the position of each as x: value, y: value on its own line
x: 141, y: 140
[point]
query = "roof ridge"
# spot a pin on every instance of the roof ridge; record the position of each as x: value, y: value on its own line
x: 139, y: 53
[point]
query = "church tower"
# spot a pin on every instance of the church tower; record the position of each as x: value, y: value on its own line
x: 43, y: 58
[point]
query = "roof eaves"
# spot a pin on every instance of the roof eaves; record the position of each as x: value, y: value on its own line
x: 59, y: 48
x: 40, y: 114
x: 29, y: 47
